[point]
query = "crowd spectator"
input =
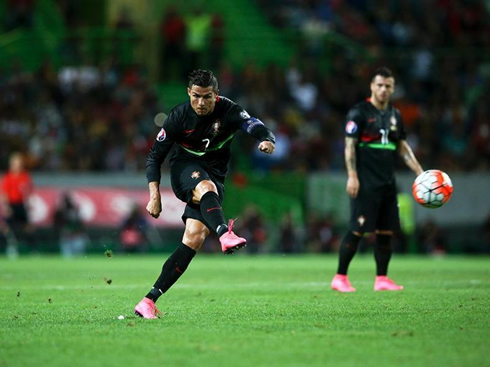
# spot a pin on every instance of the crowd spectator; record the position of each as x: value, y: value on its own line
x: 289, y: 240
x: 199, y: 27
x: 253, y: 229
x: 173, y: 34
x: 69, y: 225
x: 133, y: 236
x: 431, y: 238
x: 216, y: 42
x: 321, y: 233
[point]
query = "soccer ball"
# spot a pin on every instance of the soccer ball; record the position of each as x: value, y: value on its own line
x: 432, y: 188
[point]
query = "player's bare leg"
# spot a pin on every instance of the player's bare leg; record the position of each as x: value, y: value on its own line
x: 206, y: 194
x: 382, y: 255
x: 194, y: 235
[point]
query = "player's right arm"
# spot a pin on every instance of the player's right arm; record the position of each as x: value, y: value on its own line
x: 154, y: 206
x: 158, y: 152
x: 5, y: 209
x: 350, y: 163
x: 353, y: 128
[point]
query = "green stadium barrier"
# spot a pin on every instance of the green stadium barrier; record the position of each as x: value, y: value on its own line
x: 272, y: 205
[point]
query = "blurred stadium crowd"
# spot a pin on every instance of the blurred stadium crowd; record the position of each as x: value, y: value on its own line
x: 98, y: 117
x: 437, y: 51
x: 87, y: 118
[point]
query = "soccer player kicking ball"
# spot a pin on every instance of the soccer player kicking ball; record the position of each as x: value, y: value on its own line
x: 201, y: 131
x: 374, y: 134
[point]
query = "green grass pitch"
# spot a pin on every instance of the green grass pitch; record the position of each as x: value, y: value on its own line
x: 244, y: 311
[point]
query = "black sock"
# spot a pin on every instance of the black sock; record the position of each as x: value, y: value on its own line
x: 348, y: 249
x: 213, y: 213
x: 173, y: 268
x: 382, y: 253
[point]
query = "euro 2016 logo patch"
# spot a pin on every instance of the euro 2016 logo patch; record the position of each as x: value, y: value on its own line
x: 350, y: 127
x: 161, y: 135
x: 244, y: 115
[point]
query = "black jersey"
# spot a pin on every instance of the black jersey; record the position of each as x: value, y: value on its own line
x: 378, y: 133
x: 206, y: 139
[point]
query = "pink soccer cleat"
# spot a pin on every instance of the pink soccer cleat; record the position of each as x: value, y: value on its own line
x: 147, y: 309
x: 230, y: 242
x: 383, y: 283
x: 341, y: 283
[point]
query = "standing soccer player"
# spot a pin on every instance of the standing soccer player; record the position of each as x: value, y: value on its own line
x: 201, y: 131
x: 15, y: 189
x: 374, y: 135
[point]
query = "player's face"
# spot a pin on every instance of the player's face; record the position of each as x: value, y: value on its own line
x: 203, y: 99
x: 16, y: 163
x: 382, y: 88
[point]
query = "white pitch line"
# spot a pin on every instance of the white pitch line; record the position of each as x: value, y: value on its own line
x: 255, y: 285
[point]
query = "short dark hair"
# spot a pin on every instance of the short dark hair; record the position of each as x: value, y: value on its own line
x: 203, y: 78
x: 382, y: 71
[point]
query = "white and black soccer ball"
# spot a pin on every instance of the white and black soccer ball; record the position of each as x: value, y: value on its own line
x: 432, y: 188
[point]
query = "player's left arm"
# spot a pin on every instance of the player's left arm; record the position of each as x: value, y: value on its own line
x: 404, y: 150
x: 265, y: 136
x: 253, y: 126
x: 267, y: 146
x: 408, y: 157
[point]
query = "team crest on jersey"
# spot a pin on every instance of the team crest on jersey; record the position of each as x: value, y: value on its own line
x: 161, y: 135
x: 393, y: 123
x: 244, y: 115
x: 216, y: 126
x: 195, y: 175
x: 361, y: 220
x: 351, y: 127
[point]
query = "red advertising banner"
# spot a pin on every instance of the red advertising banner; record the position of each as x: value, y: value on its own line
x: 103, y: 206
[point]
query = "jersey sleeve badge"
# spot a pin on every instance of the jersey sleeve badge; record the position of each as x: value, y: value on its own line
x: 350, y: 127
x: 161, y: 135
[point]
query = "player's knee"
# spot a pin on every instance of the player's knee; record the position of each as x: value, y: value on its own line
x: 195, y: 238
x: 202, y: 188
x: 205, y: 186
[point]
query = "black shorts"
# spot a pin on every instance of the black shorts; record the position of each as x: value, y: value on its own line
x: 19, y: 215
x: 375, y: 210
x: 185, y: 175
